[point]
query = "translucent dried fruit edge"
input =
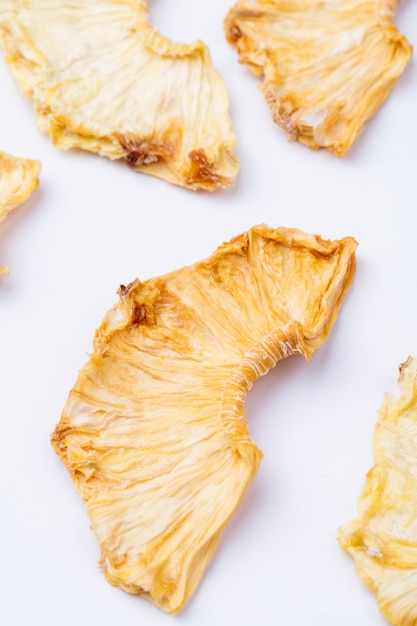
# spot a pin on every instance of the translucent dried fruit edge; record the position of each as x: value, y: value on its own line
x: 327, y: 66
x: 383, y: 538
x: 102, y: 79
x: 18, y: 179
x: 154, y: 433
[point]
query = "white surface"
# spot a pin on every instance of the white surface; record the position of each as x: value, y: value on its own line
x: 92, y: 225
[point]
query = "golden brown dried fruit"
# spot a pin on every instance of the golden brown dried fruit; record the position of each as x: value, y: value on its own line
x: 383, y: 538
x: 102, y: 79
x: 327, y: 67
x: 18, y: 178
x: 154, y: 433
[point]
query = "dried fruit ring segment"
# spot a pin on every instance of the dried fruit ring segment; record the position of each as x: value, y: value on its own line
x: 154, y: 433
x: 327, y: 66
x: 102, y: 79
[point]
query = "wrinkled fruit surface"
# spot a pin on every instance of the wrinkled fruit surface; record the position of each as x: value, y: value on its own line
x: 383, y: 538
x: 327, y: 66
x: 154, y: 434
x: 18, y: 178
x: 102, y: 79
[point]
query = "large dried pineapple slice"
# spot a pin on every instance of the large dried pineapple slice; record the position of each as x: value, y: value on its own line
x: 18, y: 178
x: 153, y: 432
x: 102, y: 79
x: 383, y: 539
x: 327, y: 66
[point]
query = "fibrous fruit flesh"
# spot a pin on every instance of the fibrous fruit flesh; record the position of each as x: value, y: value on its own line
x: 18, y: 178
x: 327, y: 66
x: 383, y: 538
x: 102, y: 79
x: 154, y: 433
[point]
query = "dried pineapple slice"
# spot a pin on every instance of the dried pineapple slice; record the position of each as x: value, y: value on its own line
x: 153, y: 432
x: 327, y: 66
x: 18, y: 178
x: 383, y: 539
x: 102, y: 79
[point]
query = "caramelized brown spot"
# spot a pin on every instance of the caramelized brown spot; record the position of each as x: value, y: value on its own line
x: 126, y: 291
x: 138, y: 314
x: 141, y: 157
x: 137, y: 310
x: 201, y: 170
x: 59, y: 434
x: 282, y: 112
x: 144, y: 152
x: 233, y: 31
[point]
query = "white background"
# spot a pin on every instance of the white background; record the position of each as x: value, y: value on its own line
x: 93, y: 224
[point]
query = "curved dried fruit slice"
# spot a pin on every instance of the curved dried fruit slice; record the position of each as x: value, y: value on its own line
x: 383, y: 539
x: 102, y: 79
x: 153, y: 432
x: 327, y: 66
x: 18, y: 178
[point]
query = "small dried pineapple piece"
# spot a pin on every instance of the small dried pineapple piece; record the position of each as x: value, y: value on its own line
x: 18, y: 178
x: 154, y: 434
x: 383, y: 539
x: 327, y: 66
x: 102, y: 79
